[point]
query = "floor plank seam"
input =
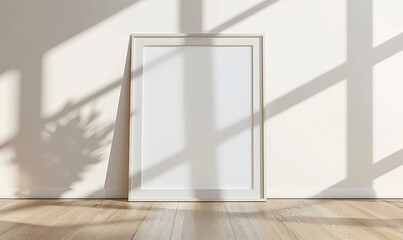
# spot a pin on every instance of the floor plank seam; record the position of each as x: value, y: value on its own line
x: 173, y: 224
x: 142, y: 221
x: 229, y: 219
x: 393, y: 204
x: 359, y: 209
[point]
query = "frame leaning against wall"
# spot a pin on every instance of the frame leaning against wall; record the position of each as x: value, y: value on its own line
x: 257, y: 192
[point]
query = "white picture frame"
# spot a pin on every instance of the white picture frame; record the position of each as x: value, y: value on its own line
x: 155, y: 55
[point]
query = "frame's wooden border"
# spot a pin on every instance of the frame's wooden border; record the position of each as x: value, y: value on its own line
x: 261, y: 108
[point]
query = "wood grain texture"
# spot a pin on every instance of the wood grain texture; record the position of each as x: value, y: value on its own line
x: 195, y: 220
x: 273, y: 219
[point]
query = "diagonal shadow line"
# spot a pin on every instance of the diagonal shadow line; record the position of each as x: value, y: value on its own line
x: 92, y: 12
x: 243, y: 15
x: 151, y: 172
x: 289, y: 100
x: 306, y: 91
x: 388, y: 49
x: 378, y: 169
x: 237, y: 127
x: 7, y: 143
x: 387, y: 164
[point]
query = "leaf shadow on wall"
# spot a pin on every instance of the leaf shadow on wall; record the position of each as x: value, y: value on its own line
x: 65, y: 150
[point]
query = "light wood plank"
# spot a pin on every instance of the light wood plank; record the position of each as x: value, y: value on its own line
x: 159, y: 222
x: 353, y: 217
x: 22, y: 216
x: 383, y: 217
x: 273, y: 222
x: 396, y: 202
x: 112, y: 219
x: 294, y: 214
x: 125, y: 221
x: 241, y: 224
x: 345, y: 226
x: 59, y: 220
x: 204, y: 220
x: 267, y: 223
x: 315, y: 212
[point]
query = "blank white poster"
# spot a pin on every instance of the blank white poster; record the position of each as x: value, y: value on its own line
x: 197, y: 117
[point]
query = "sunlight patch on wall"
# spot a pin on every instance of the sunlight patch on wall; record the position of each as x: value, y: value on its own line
x: 388, y: 111
x: 388, y: 118
x: 9, y: 111
x: 388, y: 20
x: 9, y: 104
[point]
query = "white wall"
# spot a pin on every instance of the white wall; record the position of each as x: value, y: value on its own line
x: 333, y: 106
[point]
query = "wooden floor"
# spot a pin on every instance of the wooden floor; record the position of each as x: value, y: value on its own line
x: 274, y: 219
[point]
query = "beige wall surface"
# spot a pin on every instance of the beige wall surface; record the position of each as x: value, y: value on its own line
x: 333, y: 104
